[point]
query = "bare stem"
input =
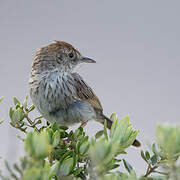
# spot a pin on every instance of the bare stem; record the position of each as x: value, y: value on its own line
x: 31, y: 123
x: 150, y: 170
x: 163, y: 173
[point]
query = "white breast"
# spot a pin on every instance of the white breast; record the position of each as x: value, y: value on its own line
x: 51, y: 91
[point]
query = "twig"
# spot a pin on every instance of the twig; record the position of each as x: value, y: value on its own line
x: 149, y: 166
x: 31, y: 123
x: 150, y: 170
x: 163, y: 173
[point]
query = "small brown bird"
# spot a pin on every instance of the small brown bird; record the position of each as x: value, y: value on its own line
x: 59, y: 92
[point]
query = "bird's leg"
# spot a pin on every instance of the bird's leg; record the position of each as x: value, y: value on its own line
x: 83, y: 124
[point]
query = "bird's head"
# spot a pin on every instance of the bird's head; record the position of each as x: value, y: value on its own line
x: 59, y: 55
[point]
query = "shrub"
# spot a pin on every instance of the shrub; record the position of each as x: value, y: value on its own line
x: 56, y: 152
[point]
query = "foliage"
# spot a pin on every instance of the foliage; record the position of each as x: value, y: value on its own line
x: 55, y: 152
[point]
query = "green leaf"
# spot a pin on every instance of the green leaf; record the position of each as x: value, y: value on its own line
x: 114, y: 166
x: 84, y: 148
x: 154, y: 150
x: 56, y: 139
x: 114, y: 118
x: 54, y: 169
x: 147, y: 155
x: 105, y: 130
x: 35, y: 173
x: 127, y: 166
x: 50, y: 133
x: 58, y: 153
x: 78, y: 133
x: 154, y: 160
x: 32, y: 107
x: 25, y: 102
x: 38, y: 145
x: 63, y: 128
x: 11, y: 111
x: 1, y: 99
x: 102, y: 152
x: 123, y: 133
x: 66, y: 155
x: 18, y: 115
x: 78, y: 171
x: 55, y: 127
x: 99, y: 134
x: 63, y: 134
x: 168, y: 139
x: 16, y: 101
x: 121, y: 129
x: 66, y: 167
x: 143, y: 156
x: 1, y: 121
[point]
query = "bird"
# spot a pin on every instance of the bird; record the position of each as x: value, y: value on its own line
x: 57, y: 90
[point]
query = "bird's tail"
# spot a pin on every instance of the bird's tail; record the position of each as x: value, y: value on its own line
x: 109, y: 122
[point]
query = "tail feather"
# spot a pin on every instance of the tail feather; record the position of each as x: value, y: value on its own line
x: 109, y: 122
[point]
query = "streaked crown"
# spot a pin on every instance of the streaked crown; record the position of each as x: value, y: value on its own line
x: 58, y: 55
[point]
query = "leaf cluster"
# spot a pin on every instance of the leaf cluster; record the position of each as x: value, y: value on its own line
x: 55, y: 152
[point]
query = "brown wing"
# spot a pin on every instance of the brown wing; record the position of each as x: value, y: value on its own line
x: 85, y: 93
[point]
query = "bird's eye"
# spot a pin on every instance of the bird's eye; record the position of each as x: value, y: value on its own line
x: 71, y: 55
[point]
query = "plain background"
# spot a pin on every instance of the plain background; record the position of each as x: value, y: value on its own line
x: 136, y: 45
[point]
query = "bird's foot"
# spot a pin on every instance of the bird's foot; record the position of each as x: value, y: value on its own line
x: 84, y: 124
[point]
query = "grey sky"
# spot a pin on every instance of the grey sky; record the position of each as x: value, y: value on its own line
x: 136, y: 46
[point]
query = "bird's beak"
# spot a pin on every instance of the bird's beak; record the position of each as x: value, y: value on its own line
x: 87, y: 60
